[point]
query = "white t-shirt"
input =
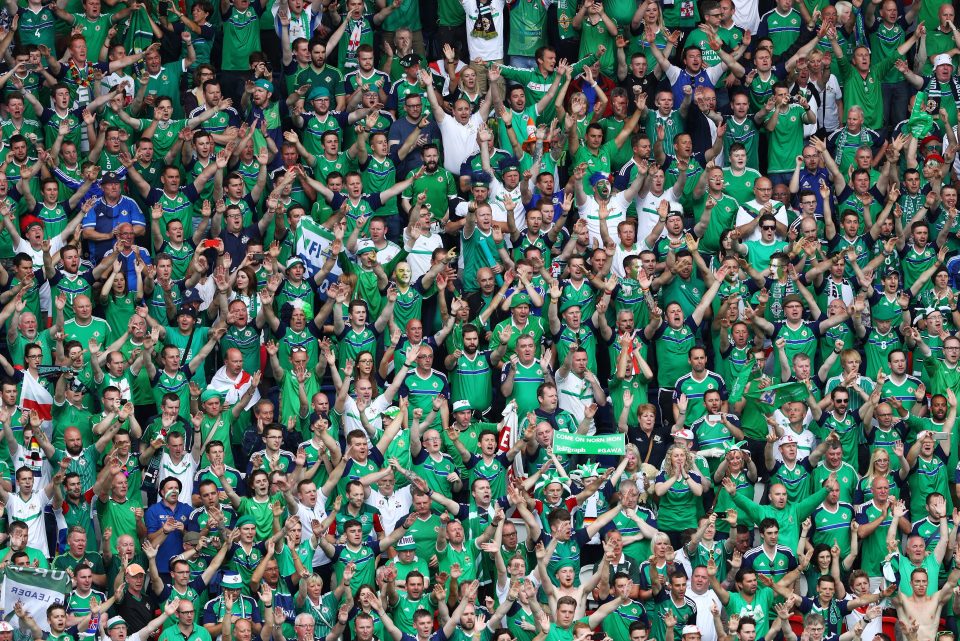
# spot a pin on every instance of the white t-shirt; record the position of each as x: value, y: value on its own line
x: 831, y: 95
x: 420, y: 253
x: 708, y: 632
x: 234, y: 389
x: 746, y: 15
x: 647, y: 214
x: 300, y: 26
x: 459, y: 141
x: 183, y: 471
x: 392, y: 508
x: 497, y: 193
x: 388, y: 253
x: 616, y: 213
x: 806, y: 443
x: 41, y: 468
x: 619, y: 253
x: 747, y: 213
x: 484, y: 31
x: 351, y: 414
x: 873, y: 628
x: 575, y: 395
x: 307, y: 516
x: 31, y: 513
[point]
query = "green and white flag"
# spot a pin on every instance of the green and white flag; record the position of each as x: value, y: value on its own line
x: 36, y: 589
x: 763, y: 396
x: 565, y: 443
x: 312, y: 240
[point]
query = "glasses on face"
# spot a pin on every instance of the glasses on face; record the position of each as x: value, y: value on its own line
x: 884, y: 415
x: 840, y: 401
x: 769, y: 228
x: 186, y: 612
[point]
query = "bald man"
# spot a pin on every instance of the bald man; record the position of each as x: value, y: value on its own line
x: 748, y: 218
x: 79, y: 458
x: 84, y: 326
x: 232, y: 380
x: 125, y: 253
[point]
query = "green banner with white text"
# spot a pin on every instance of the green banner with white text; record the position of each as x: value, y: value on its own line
x: 565, y: 443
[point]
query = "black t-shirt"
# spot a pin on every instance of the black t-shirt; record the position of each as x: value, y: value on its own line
x: 137, y: 612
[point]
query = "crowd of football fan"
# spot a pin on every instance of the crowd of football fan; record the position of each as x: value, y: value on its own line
x: 296, y: 299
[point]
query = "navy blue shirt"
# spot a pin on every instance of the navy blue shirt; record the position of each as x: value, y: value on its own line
x: 154, y: 519
x: 104, y: 218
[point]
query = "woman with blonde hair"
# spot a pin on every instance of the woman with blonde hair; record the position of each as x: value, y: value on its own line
x: 738, y: 465
x: 679, y: 487
x: 662, y: 553
x: 648, y: 24
x: 879, y: 466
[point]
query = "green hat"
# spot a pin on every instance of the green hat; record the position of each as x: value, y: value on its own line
x: 209, y: 393
x: 304, y: 306
x: 246, y: 519
x: 462, y: 406
x: 883, y: 313
x: 549, y: 478
x: 232, y: 580
x: 365, y: 248
x: 589, y: 470
x: 391, y: 412
x: 509, y: 164
x: 318, y: 92
x: 115, y: 621
x: 264, y: 84
x: 406, y: 543
x: 518, y: 299
x: 293, y: 261
x: 567, y: 304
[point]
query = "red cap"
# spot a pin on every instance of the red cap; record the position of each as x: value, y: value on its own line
x: 27, y: 221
